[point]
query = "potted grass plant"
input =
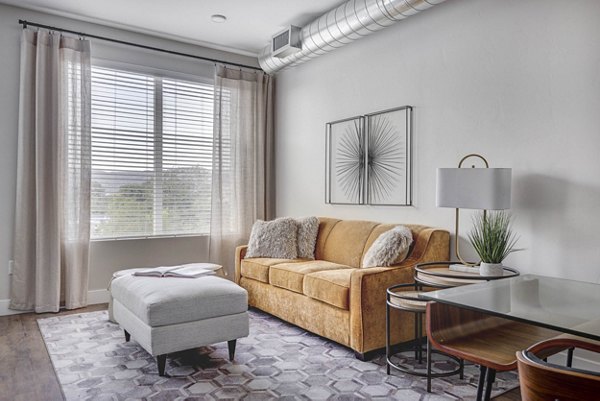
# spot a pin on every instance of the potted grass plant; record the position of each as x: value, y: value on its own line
x: 493, y: 240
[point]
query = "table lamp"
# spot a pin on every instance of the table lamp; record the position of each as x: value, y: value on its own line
x: 472, y: 188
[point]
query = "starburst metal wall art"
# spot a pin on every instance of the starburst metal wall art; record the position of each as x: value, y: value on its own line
x: 389, y: 157
x: 369, y: 160
x: 346, y: 161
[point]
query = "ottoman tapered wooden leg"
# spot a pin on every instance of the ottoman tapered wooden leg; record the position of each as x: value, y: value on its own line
x: 231, y: 346
x: 127, y: 336
x: 162, y: 362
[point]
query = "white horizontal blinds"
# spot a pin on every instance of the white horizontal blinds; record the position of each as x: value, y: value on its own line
x: 151, y: 155
x: 187, y: 119
x: 122, y: 153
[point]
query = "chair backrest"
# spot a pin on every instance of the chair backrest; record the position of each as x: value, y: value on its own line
x: 542, y: 381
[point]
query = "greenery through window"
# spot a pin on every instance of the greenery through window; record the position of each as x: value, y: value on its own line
x: 151, y: 155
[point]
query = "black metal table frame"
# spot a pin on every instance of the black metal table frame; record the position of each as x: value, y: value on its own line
x: 418, y: 348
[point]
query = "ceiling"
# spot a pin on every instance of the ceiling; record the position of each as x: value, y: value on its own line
x: 249, y: 26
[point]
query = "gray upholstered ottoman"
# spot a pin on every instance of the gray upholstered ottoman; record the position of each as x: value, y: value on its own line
x: 167, y: 315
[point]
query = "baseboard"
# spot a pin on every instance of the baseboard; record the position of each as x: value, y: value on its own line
x: 98, y: 297
x: 4, y: 311
x: 94, y: 297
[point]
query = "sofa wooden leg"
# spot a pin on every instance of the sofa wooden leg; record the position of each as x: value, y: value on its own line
x: 162, y: 362
x: 127, y: 336
x: 231, y: 346
x: 367, y: 356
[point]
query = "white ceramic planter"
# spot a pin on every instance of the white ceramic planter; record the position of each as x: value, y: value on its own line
x: 490, y: 269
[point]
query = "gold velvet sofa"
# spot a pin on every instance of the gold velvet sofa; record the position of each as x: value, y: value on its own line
x: 331, y: 295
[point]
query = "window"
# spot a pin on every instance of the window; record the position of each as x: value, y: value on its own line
x: 151, y: 155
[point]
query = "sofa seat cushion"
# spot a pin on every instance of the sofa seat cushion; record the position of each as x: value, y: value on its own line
x: 258, y: 268
x: 329, y: 286
x: 291, y: 275
x: 165, y: 301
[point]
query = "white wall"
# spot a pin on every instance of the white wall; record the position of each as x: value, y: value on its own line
x: 106, y: 256
x: 515, y: 80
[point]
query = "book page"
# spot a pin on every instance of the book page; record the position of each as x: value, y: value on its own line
x: 190, y: 271
x: 155, y: 271
x: 205, y: 266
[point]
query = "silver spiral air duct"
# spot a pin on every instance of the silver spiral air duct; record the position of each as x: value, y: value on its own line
x: 342, y: 25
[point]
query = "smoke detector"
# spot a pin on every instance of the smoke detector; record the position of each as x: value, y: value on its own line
x: 218, y: 18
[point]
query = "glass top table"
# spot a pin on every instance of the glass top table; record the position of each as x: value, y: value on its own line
x: 563, y: 305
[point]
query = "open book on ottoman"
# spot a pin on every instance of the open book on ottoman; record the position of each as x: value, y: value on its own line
x: 191, y: 270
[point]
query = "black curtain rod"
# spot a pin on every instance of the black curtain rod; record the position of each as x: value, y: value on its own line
x: 123, y: 42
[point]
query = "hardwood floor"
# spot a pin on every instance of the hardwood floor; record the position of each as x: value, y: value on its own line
x: 26, y: 373
x: 513, y: 395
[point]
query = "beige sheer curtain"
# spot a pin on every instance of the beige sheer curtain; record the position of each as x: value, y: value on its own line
x: 52, y: 225
x: 242, y: 176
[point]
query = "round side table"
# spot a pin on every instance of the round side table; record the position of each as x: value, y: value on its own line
x: 439, y: 275
x: 405, y: 297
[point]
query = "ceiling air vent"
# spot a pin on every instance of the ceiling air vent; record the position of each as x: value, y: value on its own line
x: 286, y: 42
x: 348, y: 22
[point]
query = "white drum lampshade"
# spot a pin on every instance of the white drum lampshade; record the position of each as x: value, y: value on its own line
x: 474, y: 188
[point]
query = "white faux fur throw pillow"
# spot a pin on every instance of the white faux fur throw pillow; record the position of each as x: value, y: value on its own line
x: 308, y: 229
x: 273, y: 239
x: 389, y: 248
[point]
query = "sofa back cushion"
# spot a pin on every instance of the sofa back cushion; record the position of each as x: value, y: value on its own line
x: 390, y: 248
x: 415, y: 229
x: 344, y: 242
x: 326, y: 224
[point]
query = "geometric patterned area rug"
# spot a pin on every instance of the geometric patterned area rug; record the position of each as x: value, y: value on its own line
x: 276, y: 361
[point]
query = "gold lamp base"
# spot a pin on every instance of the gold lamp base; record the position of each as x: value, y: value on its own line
x: 457, y: 219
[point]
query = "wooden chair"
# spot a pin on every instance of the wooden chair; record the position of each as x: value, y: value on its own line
x: 542, y: 381
x: 560, y: 346
x: 489, y: 341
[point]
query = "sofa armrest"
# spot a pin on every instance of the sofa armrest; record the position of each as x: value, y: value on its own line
x: 368, y: 287
x: 431, y: 244
x: 240, y: 253
x: 367, y: 302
